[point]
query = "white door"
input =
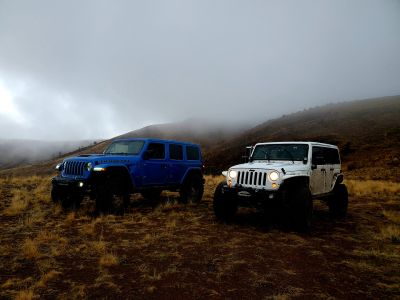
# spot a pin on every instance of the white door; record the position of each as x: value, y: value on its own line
x: 318, y: 171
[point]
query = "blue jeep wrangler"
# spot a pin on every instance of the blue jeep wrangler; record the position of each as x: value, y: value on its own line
x: 127, y: 166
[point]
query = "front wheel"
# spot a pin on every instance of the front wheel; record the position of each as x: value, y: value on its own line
x: 112, y: 197
x: 192, y: 190
x: 299, y: 203
x: 67, y: 199
x: 224, y: 207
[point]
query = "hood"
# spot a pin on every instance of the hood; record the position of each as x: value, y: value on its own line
x: 98, y: 159
x: 273, y: 165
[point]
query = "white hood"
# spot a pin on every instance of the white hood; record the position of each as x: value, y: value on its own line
x: 273, y: 165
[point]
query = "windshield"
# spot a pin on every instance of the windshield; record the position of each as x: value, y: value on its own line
x: 291, y: 152
x: 125, y: 147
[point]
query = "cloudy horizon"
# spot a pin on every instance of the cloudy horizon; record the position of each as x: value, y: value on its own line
x: 77, y: 70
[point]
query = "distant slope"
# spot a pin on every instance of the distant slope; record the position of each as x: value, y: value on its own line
x: 203, y: 132
x: 14, y: 152
x: 367, y: 131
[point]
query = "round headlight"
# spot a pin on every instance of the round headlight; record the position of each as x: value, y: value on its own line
x: 232, y: 174
x: 60, y: 166
x: 89, y: 166
x: 274, y: 175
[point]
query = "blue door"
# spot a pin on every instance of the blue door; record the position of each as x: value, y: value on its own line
x: 155, y: 165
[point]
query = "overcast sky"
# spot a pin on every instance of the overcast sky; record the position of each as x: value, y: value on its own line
x: 94, y: 69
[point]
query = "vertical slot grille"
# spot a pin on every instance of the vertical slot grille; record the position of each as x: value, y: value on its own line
x: 75, y: 168
x: 252, y: 179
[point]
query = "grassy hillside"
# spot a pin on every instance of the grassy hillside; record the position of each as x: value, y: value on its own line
x: 367, y: 132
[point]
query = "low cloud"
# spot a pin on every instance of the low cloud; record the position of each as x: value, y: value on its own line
x: 94, y: 69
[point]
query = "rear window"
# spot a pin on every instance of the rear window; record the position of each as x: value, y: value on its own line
x: 175, y: 152
x: 325, y: 156
x: 192, y: 153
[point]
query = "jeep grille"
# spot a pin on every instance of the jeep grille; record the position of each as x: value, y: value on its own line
x: 252, y: 179
x: 74, y: 168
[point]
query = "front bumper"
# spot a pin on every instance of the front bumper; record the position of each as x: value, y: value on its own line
x: 69, y: 185
x: 251, y: 197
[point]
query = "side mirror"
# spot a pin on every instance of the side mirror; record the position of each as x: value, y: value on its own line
x: 313, y: 167
x: 305, y: 160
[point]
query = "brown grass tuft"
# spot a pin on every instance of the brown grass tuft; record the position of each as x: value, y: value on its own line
x: 24, y: 295
x: 391, y: 232
x: 19, y: 202
x: 30, y: 249
x: 47, y: 277
x: 108, y: 260
x: 372, y: 187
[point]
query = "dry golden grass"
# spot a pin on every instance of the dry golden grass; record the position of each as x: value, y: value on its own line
x: 108, y: 260
x: 391, y: 232
x: 49, y: 276
x: 373, y: 188
x: 173, y: 248
x: 19, y: 202
x: 24, y: 295
x: 30, y: 249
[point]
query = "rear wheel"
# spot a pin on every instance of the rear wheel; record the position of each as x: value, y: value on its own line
x: 192, y: 190
x: 224, y: 207
x: 339, y: 201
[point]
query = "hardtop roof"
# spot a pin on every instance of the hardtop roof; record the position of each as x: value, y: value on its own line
x: 303, y: 143
x: 156, y: 140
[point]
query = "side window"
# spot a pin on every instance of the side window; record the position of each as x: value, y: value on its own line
x: 332, y: 156
x: 156, y: 151
x: 192, y: 153
x: 318, y: 156
x: 175, y: 152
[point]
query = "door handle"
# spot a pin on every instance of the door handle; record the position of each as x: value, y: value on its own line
x: 323, y: 170
x: 332, y: 169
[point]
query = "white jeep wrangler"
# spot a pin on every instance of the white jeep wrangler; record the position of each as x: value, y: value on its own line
x: 285, y: 175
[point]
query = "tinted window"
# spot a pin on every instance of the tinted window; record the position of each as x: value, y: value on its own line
x: 322, y: 156
x: 175, y: 152
x: 318, y: 157
x: 156, y: 151
x: 192, y: 153
x: 332, y: 156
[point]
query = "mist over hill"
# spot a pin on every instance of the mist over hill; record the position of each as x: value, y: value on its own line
x: 367, y: 132
x: 18, y: 152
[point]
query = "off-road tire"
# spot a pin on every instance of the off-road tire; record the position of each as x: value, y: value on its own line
x: 298, y: 206
x: 69, y: 200
x: 55, y: 194
x: 339, y: 202
x: 112, y: 197
x: 191, y: 190
x: 224, y: 207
